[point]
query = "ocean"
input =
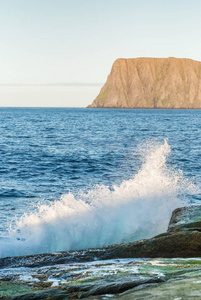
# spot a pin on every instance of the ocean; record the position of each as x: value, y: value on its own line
x: 77, y: 178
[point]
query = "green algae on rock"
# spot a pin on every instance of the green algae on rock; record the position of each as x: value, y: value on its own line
x: 82, y: 274
x: 185, y: 218
x: 125, y: 279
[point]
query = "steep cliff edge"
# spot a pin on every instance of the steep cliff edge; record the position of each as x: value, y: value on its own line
x: 152, y: 83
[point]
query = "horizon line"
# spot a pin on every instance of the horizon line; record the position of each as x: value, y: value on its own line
x: 54, y: 84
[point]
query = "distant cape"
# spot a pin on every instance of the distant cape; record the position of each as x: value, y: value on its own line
x: 152, y: 83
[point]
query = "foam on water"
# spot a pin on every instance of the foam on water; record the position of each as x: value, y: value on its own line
x: 138, y: 208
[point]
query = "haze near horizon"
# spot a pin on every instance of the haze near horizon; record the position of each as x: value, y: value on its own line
x: 59, y: 50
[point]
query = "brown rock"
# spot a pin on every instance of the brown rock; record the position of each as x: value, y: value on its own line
x: 183, y: 239
x: 180, y: 244
x: 152, y: 83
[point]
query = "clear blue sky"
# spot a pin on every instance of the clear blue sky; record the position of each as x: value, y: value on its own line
x: 56, y: 41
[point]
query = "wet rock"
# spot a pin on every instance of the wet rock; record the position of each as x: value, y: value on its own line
x: 49, y: 259
x: 181, y: 287
x: 129, y: 276
x: 183, y: 239
x: 181, y: 244
x: 53, y: 294
x: 115, y: 285
x: 185, y: 218
x: 108, y: 285
x: 7, y: 289
x: 41, y: 285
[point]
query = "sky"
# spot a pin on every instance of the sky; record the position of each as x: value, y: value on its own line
x: 77, y: 41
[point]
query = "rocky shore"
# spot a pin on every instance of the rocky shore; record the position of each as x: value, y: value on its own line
x: 134, y: 268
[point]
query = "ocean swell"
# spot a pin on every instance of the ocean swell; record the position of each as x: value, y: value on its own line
x: 138, y: 208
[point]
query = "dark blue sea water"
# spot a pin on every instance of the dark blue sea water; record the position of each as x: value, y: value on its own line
x: 79, y: 178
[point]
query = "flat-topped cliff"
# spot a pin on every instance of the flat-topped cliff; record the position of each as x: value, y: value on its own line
x: 152, y: 83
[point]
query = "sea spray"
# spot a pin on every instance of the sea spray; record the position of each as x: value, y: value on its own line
x: 138, y: 208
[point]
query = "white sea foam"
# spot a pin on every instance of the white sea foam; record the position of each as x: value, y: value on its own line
x: 138, y: 208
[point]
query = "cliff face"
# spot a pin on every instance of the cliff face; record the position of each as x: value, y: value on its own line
x: 152, y: 83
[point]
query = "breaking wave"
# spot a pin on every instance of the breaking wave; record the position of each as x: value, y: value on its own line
x: 138, y: 208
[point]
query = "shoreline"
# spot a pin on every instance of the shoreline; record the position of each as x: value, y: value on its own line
x: 113, y: 270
